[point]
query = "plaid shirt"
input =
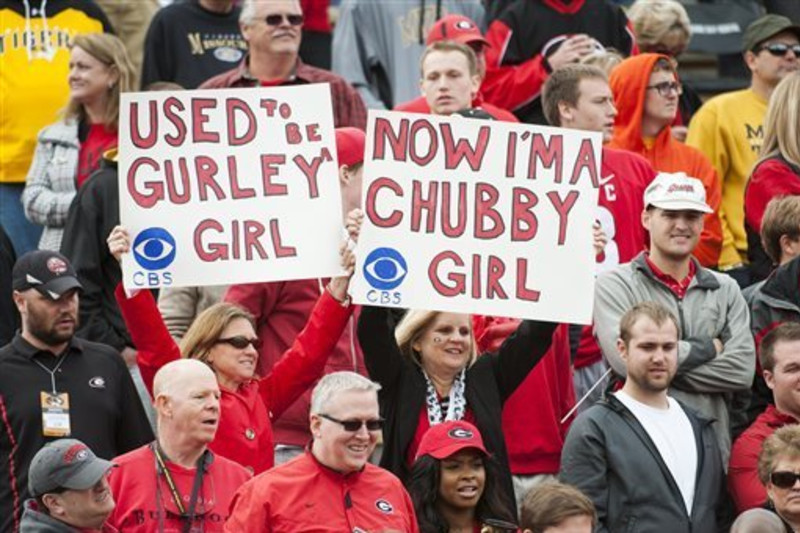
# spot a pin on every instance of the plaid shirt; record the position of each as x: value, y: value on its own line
x: 348, y: 108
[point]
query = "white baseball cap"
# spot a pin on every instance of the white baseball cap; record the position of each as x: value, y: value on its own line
x: 676, y: 192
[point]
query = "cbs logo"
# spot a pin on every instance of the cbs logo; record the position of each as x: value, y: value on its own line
x: 385, y: 269
x: 153, y: 249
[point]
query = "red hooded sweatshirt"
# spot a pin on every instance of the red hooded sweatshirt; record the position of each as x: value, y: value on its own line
x: 629, y: 82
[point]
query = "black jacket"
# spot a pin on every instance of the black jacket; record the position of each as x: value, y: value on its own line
x: 9, y: 317
x: 610, y: 457
x: 93, y: 214
x: 490, y: 381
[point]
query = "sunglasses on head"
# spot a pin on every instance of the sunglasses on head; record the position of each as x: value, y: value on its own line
x: 352, y: 426
x: 241, y: 342
x: 277, y: 19
x: 780, y: 49
x: 784, y: 480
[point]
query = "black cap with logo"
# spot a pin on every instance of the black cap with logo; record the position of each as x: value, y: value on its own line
x: 46, y: 271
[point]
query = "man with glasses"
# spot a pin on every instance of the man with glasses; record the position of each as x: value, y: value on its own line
x: 272, y: 29
x: 646, y: 93
x: 728, y: 129
x: 70, y: 490
x: 647, y: 462
x: 176, y: 483
x: 331, y: 487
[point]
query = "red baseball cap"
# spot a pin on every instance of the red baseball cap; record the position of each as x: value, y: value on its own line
x: 456, y: 28
x: 350, y: 146
x: 445, y: 439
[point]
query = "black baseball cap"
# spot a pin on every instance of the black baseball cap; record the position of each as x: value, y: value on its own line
x: 46, y: 271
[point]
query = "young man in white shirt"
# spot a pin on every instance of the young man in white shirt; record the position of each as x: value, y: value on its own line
x: 640, y: 455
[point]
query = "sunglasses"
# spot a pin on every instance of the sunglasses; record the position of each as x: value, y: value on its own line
x: 666, y: 88
x: 784, y: 480
x: 277, y: 19
x: 241, y: 342
x: 780, y: 49
x: 351, y: 426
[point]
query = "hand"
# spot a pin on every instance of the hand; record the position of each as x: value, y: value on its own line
x: 129, y: 355
x: 571, y: 51
x: 679, y: 133
x: 119, y: 242
x: 599, y: 238
x: 353, y: 222
x: 718, y: 345
x: 339, y: 285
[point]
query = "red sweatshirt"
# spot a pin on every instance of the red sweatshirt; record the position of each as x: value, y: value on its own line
x: 305, y: 495
x: 281, y: 310
x: 534, y: 437
x: 629, y: 83
x: 143, y: 496
x: 771, y: 178
x: 743, y: 482
x: 244, y: 434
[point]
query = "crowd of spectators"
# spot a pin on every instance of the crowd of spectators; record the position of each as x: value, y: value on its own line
x: 283, y: 406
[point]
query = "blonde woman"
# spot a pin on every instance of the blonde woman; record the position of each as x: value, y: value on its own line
x: 68, y: 151
x: 777, y: 172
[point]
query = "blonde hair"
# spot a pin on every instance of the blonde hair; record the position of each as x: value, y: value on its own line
x: 605, y: 60
x: 207, y: 328
x: 414, y: 324
x: 450, y: 46
x: 109, y: 50
x: 551, y: 503
x: 654, y: 21
x: 783, y: 443
x: 782, y: 123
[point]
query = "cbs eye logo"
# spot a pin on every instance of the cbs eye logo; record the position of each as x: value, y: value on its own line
x: 154, y: 249
x: 385, y: 268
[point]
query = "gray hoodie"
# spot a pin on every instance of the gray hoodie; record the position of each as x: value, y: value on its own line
x: 35, y: 521
x: 377, y: 44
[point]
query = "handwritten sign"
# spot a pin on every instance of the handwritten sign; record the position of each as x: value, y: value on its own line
x: 478, y: 216
x: 229, y: 186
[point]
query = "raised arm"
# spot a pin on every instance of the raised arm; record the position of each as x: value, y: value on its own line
x: 140, y: 312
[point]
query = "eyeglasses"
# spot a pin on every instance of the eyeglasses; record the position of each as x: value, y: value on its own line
x: 277, y: 19
x: 780, y: 49
x: 666, y: 88
x: 352, y: 426
x: 240, y: 342
x: 784, y: 480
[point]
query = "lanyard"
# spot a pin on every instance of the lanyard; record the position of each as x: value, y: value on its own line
x: 200, y: 470
x: 53, y: 372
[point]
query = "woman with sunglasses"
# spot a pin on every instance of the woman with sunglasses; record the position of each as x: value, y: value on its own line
x: 779, y: 471
x: 223, y: 336
x: 70, y: 150
x: 777, y: 172
x: 455, y: 484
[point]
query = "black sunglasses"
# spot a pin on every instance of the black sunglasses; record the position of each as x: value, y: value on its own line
x: 277, y: 19
x: 240, y: 342
x: 780, y: 49
x: 352, y: 426
x: 784, y: 480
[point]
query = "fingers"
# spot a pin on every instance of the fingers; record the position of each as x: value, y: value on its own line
x: 355, y: 219
x: 119, y: 242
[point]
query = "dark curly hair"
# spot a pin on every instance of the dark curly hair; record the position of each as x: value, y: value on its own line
x: 423, y: 487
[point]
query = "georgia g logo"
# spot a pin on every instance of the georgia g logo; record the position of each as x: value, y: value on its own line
x: 460, y: 433
x: 385, y: 269
x: 154, y: 249
x: 384, y: 506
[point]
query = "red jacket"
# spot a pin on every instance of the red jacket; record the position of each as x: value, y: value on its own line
x: 743, y: 482
x: 770, y: 178
x: 304, y: 495
x: 629, y: 83
x: 420, y: 105
x: 534, y: 437
x: 281, y: 310
x: 134, y: 487
x: 244, y: 434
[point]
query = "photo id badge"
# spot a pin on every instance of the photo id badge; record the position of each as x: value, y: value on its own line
x: 55, y: 414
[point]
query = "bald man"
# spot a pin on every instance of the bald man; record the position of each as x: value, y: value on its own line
x: 758, y: 521
x: 176, y: 479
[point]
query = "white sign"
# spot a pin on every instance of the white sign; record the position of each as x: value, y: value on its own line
x: 229, y: 186
x: 478, y: 216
